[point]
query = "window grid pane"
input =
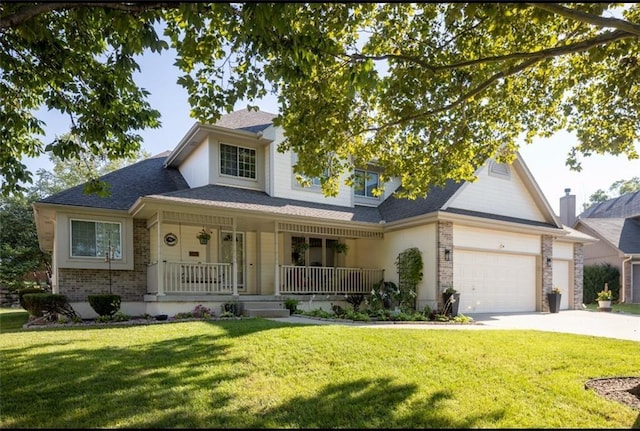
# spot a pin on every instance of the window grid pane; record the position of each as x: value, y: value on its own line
x: 365, y: 182
x: 237, y: 161
x: 92, y: 239
x: 229, y: 160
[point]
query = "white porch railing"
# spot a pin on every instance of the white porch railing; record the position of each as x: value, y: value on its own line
x: 328, y: 280
x: 198, y: 278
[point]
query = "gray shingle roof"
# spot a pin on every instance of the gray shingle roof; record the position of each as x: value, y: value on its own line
x: 254, y: 200
x: 622, y: 233
x: 393, y: 209
x: 127, y: 185
x: 250, y: 121
x: 627, y: 205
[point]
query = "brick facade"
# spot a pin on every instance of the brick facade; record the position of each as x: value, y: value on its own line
x: 77, y: 284
x: 445, y: 267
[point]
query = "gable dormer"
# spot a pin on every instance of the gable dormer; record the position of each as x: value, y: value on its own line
x: 231, y: 152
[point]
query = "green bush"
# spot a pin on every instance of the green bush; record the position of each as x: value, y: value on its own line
x: 595, y: 276
x: 105, y: 304
x: 49, y: 305
x: 26, y: 290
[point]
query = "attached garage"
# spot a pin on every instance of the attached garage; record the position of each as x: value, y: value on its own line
x: 494, y: 282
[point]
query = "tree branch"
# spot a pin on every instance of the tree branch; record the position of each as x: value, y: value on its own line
x: 533, y: 59
x: 588, y: 18
x: 549, y: 52
x: 26, y: 13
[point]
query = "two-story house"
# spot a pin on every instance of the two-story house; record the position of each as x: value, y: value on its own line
x: 496, y: 240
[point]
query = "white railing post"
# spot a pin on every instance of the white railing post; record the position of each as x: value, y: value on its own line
x: 277, y: 258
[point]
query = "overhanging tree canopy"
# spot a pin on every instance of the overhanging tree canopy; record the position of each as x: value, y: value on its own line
x: 428, y: 91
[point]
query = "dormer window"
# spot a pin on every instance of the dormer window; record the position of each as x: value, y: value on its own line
x: 237, y: 161
x: 365, y: 183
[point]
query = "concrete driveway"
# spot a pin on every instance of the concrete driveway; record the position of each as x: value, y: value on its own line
x: 600, y: 324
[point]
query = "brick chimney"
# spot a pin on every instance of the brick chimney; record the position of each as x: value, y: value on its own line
x: 568, y: 208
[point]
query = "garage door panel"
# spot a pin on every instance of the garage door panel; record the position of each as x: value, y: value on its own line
x: 494, y: 282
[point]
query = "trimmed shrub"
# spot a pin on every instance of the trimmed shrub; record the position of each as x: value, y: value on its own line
x: 26, y: 290
x: 595, y: 276
x: 105, y: 304
x: 48, y: 305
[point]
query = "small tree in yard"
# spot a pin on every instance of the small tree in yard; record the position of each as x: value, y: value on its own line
x: 409, y: 265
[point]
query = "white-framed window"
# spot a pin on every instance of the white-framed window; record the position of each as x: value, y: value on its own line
x: 315, y: 182
x: 365, y: 183
x: 90, y: 238
x: 237, y: 161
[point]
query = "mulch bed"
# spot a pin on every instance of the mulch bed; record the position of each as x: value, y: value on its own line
x: 625, y: 390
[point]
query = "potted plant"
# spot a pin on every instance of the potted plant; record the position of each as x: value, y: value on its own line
x: 203, y: 236
x: 554, y: 298
x: 341, y: 247
x: 604, y: 299
x: 451, y: 300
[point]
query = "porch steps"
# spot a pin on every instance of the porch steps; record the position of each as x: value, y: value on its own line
x: 265, y: 309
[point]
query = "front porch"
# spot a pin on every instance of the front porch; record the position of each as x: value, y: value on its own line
x: 215, y: 279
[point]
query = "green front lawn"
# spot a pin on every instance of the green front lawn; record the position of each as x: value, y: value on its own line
x: 258, y: 373
x: 618, y: 308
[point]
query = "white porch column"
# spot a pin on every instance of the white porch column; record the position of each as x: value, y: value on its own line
x: 234, y: 266
x: 161, y: 265
x: 277, y: 267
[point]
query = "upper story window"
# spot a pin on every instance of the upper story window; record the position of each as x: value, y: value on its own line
x: 93, y: 239
x: 314, y: 182
x: 365, y: 183
x: 237, y: 161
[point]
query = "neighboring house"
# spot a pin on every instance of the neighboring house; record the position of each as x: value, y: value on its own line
x: 496, y: 240
x: 616, y: 223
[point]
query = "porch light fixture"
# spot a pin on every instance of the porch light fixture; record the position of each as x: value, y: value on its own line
x: 447, y: 254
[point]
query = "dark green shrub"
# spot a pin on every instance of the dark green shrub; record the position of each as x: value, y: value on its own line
x: 595, y: 276
x: 291, y: 304
x: 48, y: 305
x: 105, y: 304
x: 26, y: 290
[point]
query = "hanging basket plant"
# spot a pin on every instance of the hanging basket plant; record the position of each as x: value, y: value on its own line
x: 341, y: 248
x: 203, y: 236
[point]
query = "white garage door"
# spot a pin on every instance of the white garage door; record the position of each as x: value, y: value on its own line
x: 494, y: 282
x: 561, y: 281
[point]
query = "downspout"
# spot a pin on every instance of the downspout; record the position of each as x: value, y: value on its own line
x: 623, y: 297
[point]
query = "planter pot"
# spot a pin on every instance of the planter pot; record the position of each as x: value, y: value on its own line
x: 554, y: 302
x: 604, y: 304
x: 203, y: 240
x: 451, y: 306
x: 161, y: 317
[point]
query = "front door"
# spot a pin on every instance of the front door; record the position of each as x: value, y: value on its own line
x: 226, y: 253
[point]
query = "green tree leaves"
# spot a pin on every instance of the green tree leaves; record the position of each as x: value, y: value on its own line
x: 429, y: 91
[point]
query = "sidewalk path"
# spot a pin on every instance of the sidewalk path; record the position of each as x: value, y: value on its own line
x: 600, y: 324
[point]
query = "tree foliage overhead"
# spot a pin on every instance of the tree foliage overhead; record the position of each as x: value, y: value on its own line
x: 429, y: 91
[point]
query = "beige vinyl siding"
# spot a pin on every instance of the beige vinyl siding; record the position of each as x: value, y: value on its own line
x: 385, y: 253
x: 285, y: 185
x: 266, y: 276
x: 498, y: 195
x: 196, y: 168
x: 187, y: 242
x: 63, y: 241
x: 486, y: 239
x: 562, y: 250
x: 562, y: 280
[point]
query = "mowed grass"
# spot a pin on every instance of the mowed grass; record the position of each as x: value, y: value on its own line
x: 259, y: 373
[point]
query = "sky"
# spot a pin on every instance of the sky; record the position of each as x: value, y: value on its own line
x: 545, y: 158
